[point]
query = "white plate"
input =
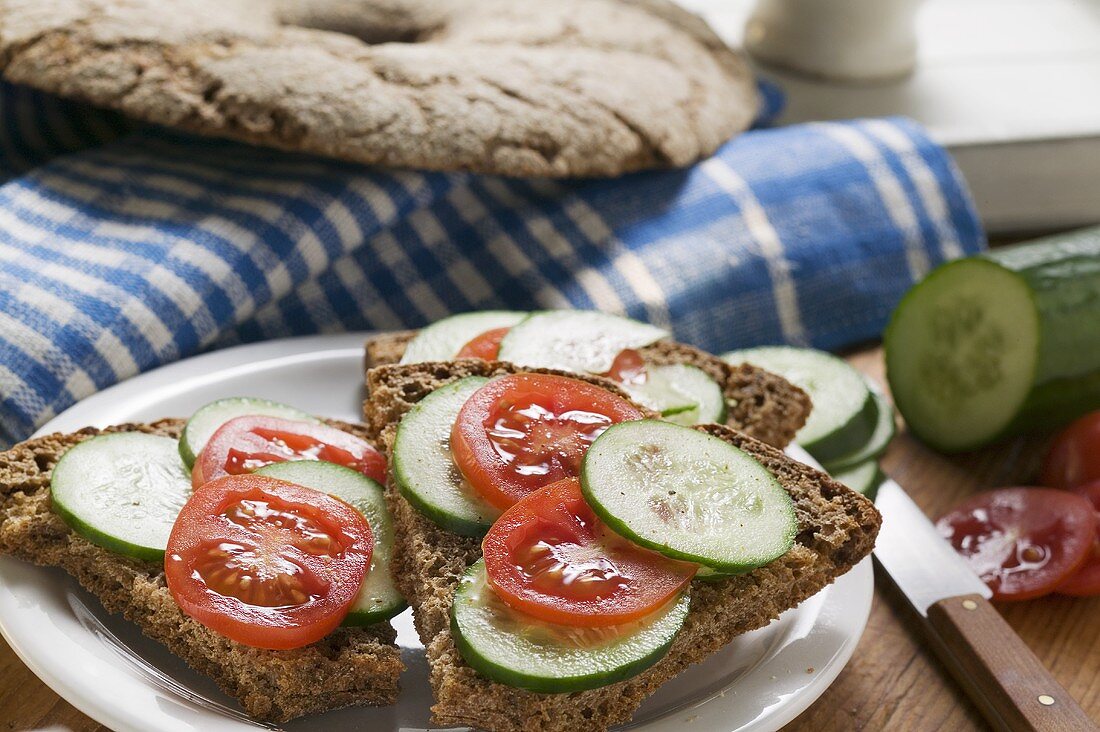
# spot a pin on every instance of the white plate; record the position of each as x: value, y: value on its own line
x: 107, y: 669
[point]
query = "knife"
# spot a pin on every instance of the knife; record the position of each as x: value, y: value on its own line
x: 990, y: 662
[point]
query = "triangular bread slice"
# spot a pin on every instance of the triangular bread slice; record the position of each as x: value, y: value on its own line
x: 837, y: 528
x: 759, y: 402
x: 348, y: 667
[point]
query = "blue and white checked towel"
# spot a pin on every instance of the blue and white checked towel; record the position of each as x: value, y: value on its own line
x: 122, y: 249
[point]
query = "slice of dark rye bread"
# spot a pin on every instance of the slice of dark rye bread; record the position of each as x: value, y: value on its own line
x: 837, y: 528
x: 348, y: 667
x: 759, y: 402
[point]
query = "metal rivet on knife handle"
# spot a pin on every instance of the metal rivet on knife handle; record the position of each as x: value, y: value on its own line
x: 1046, y: 700
x: 970, y: 605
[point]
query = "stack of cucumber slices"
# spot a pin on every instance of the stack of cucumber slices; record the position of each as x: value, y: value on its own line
x: 123, y: 492
x: 852, y: 421
x: 584, y: 342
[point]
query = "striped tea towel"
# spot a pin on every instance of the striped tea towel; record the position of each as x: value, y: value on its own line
x: 153, y: 246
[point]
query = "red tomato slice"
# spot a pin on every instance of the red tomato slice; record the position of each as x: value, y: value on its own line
x: 267, y: 563
x: 628, y: 368
x: 244, y: 444
x: 550, y: 557
x: 523, y: 431
x: 1074, y: 458
x: 485, y: 346
x: 1085, y: 582
x: 1022, y: 542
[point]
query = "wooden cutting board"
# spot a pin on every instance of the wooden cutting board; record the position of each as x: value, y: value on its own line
x: 892, y: 682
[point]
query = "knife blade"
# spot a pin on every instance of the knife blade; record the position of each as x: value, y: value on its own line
x: 996, y: 669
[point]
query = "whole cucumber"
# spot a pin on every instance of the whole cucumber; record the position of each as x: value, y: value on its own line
x: 1000, y: 343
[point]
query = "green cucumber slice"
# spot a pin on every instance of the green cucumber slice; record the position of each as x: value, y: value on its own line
x: 999, y: 344
x: 844, y: 413
x: 443, y: 339
x: 864, y: 478
x: 515, y: 649
x: 424, y: 470
x: 206, y: 421
x: 378, y: 599
x: 122, y: 491
x: 688, y: 495
x: 885, y: 428
x: 682, y: 394
x: 581, y: 341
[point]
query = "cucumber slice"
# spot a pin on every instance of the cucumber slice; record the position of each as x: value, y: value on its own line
x: 688, y: 495
x: 682, y: 394
x: 999, y: 344
x: 581, y: 341
x: 880, y: 438
x: 844, y: 413
x: 518, y: 650
x: 424, y: 470
x: 206, y: 421
x: 443, y: 339
x: 378, y: 599
x: 864, y: 478
x: 122, y: 491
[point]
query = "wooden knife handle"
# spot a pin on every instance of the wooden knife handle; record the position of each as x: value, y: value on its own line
x: 997, y: 670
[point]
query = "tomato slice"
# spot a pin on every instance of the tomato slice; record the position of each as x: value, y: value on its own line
x: 265, y: 562
x: 550, y: 557
x: 1022, y: 542
x: 244, y: 444
x: 1074, y: 457
x: 628, y: 368
x: 485, y: 346
x: 524, y: 431
x: 1085, y: 582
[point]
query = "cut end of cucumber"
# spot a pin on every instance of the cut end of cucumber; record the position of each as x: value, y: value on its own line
x: 516, y: 649
x: 961, y: 353
x: 206, y: 421
x: 443, y: 339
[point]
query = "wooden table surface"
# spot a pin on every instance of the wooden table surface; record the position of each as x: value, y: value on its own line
x: 892, y: 682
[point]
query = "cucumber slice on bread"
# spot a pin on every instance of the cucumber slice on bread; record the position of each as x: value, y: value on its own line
x: 443, y: 339
x: 122, y: 491
x: 425, y: 472
x: 580, y: 341
x: 515, y: 649
x: 688, y: 495
x: 999, y: 344
x: 379, y: 599
x: 879, y: 440
x: 206, y: 421
x: 844, y: 412
x: 864, y: 478
x: 681, y: 393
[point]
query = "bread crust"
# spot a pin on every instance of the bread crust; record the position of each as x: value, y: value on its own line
x: 837, y: 528
x: 758, y: 402
x: 348, y: 667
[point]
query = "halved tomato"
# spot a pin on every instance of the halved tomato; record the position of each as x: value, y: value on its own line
x: 244, y: 444
x: 524, y: 431
x: 267, y: 563
x: 485, y: 346
x: 1085, y: 582
x: 628, y: 368
x: 1022, y: 542
x: 1074, y: 457
x: 550, y: 557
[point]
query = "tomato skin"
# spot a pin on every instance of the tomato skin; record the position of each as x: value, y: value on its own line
x: 244, y: 444
x: 1022, y: 542
x: 523, y: 431
x: 1085, y: 582
x: 325, y: 543
x: 1074, y: 457
x: 485, y: 346
x: 550, y: 557
x: 628, y: 368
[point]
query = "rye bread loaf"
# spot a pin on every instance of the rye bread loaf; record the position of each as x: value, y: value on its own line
x: 758, y: 402
x: 837, y: 528
x: 350, y: 666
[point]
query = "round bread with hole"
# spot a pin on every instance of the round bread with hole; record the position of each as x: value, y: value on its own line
x: 513, y: 87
